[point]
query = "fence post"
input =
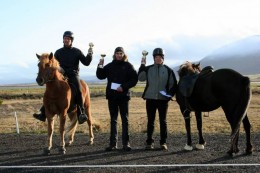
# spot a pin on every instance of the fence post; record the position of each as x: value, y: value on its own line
x: 17, y: 125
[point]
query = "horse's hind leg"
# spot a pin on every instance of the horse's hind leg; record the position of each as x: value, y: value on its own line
x: 234, y: 140
x: 89, y: 121
x: 202, y: 142
x: 247, y: 127
x: 72, y: 128
x: 87, y: 105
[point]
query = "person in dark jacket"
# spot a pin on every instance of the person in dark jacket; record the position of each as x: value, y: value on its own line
x: 161, y: 85
x: 121, y: 76
x: 69, y: 58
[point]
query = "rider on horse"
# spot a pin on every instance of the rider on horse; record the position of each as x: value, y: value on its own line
x: 69, y: 58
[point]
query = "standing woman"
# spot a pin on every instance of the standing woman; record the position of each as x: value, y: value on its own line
x: 121, y: 76
x: 160, y: 86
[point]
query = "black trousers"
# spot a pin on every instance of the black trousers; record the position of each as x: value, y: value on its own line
x: 74, y: 79
x: 151, y: 107
x: 116, y: 106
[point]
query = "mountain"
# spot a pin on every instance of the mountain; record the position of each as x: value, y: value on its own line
x: 242, y: 56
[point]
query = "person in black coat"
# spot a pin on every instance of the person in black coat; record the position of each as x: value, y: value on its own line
x: 121, y: 76
x: 69, y: 58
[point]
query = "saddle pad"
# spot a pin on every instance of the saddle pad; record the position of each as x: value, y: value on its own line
x: 186, y: 84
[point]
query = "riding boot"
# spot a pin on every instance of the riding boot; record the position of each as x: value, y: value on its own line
x: 41, y: 115
x: 82, y: 117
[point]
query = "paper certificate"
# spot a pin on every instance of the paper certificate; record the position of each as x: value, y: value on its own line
x: 165, y: 94
x: 114, y: 86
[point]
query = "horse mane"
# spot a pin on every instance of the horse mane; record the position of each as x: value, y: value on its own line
x: 188, y: 68
x: 51, y: 61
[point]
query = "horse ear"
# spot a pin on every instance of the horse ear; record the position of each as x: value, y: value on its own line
x: 38, y: 56
x: 197, y: 65
x: 50, y: 56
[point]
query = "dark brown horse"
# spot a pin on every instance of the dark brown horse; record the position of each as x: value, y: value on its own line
x: 58, y: 100
x: 224, y: 88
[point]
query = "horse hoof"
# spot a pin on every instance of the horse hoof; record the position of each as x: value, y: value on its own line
x: 46, y: 152
x: 188, y: 147
x: 68, y: 144
x: 249, y: 150
x: 200, y: 146
x: 230, y: 153
x: 62, y: 150
x: 90, y: 143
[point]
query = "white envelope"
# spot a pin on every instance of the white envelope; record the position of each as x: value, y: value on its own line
x: 165, y: 94
x: 114, y: 86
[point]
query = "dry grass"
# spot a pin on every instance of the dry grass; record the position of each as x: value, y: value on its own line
x: 215, y: 123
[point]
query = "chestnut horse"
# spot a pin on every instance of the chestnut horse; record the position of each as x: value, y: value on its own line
x: 58, y: 99
x: 224, y: 88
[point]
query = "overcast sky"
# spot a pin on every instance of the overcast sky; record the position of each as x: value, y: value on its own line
x: 185, y: 29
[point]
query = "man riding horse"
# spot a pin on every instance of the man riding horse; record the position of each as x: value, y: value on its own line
x: 69, y: 58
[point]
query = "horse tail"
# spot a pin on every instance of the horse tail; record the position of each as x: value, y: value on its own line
x: 241, y: 108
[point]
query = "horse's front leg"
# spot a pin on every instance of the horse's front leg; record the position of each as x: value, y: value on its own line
x: 186, y: 115
x: 202, y: 142
x: 50, y: 120
x: 62, y: 149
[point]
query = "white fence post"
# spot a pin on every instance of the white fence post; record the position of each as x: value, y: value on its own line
x: 17, y: 125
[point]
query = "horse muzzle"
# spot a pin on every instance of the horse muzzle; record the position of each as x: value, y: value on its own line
x: 40, y: 81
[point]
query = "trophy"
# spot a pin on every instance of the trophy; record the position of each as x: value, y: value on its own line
x: 103, y: 56
x: 145, y: 53
x: 102, y: 59
x: 91, y: 45
x: 90, y: 50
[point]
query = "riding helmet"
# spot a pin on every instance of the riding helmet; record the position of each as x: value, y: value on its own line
x: 158, y: 51
x: 69, y: 34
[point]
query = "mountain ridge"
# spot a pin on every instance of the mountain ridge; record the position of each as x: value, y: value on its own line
x: 242, y: 56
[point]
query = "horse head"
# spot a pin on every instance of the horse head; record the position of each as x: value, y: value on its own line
x: 47, y: 66
x: 189, y: 68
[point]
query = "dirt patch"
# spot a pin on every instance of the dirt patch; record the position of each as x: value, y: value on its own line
x: 24, y: 153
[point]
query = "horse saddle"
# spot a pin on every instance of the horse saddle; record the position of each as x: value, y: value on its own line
x: 187, y: 83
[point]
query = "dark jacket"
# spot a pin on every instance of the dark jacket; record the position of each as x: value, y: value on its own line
x: 69, y: 59
x: 120, y: 72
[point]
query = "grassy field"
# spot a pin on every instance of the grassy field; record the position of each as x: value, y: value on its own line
x: 27, y: 104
